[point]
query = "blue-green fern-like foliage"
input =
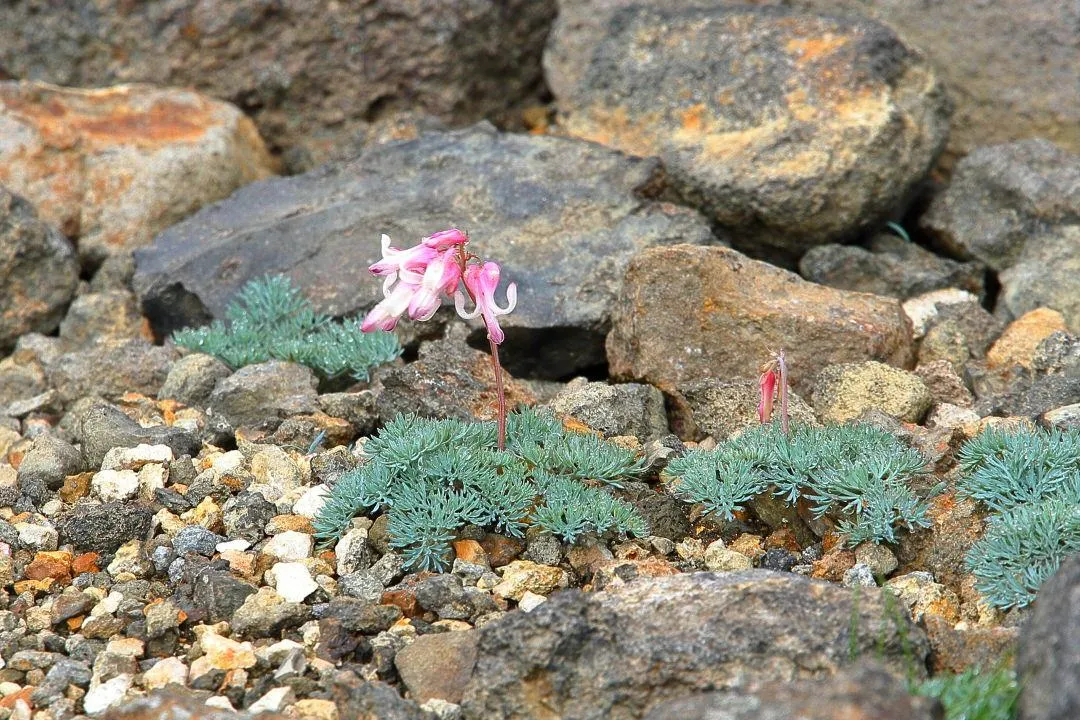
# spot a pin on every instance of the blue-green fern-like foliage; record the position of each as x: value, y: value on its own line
x: 1030, y: 479
x: 269, y: 319
x: 857, y: 473
x: 433, y: 477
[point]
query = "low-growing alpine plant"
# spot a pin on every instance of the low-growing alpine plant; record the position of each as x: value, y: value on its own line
x: 433, y: 477
x: 270, y: 320
x: 1030, y: 480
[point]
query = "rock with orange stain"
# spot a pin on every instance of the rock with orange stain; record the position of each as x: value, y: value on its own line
x: 114, y: 166
x: 112, y: 314
x: 833, y: 565
x: 1021, y: 338
x: 725, y: 312
x: 787, y: 129
x: 470, y: 551
x: 918, y: 592
x: 85, y: 563
x: 56, y: 564
x: 38, y: 268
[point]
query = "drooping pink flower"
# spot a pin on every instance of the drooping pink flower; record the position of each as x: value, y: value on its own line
x: 441, y: 276
x: 407, y: 265
x: 445, y: 239
x: 384, y: 316
x: 482, y: 281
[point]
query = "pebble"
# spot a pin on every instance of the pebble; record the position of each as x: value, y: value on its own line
x: 196, y: 539
x: 530, y: 601
x: 108, y: 694
x: 314, y: 709
x: 274, y: 700
x: 721, y: 559
x: 923, y: 596
x: 289, y: 546
x: 878, y: 558
x: 134, y: 458
x: 37, y: 537
x: 312, y: 501
x: 292, y: 580
x: 225, y: 653
x: 110, y: 485
x: 520, y: 576
x: 860, y: 575
x: 170, y: 670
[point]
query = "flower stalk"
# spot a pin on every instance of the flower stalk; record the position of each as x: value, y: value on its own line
x: 417, y: 280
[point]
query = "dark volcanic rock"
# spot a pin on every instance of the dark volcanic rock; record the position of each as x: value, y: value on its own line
x: 104, y: 427
x: 864, y: 692
x: 219, y: 593
x: 38, y: 271
x: 561, y: 216
x: 789, y: 130
x: 889, y: 266
x: 104, y: 528
x: 625, y: 652
x: 1048, y: 663
x: 309, y: 73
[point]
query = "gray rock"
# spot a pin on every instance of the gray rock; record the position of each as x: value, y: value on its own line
x: 356, y: 407
x: 356, y: 698
x: 45, y: 465
x: 265, y: 392
x: 865, y: 691
x: 460, y: 60
x: 544, y: 549
x: 1052, y: 381
x: 514, y: 193
x: 626, y: 409
x: 267, y: 614
x: 38, y: 271
x: 1047, y: 662
x: 246, y: 515
x: 1047, y: 274
x: 652, y: 641
x: 361, y: 617
x: 20, y: 378
x: 192, y: 378
x: 1004, y: 198
x: 667, y: 516
x: 94, y: 316
x: 219, y: 593
x: 104, y: 528
x: 889, y: 266
x: 103, y: 427
x: 820, y: 137
x: 196, y: 539
x: 362, y: 585
x: 445, y: 596
x: 115, y: 273
x: 110, y: 369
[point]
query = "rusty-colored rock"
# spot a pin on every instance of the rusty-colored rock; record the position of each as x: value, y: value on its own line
x: 1017, y: 344
x: 725, y: 312
x: 56, y: 564
x: 833, y: 565
x: 115, y: 166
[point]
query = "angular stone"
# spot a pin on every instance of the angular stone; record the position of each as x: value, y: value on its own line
x: 103, y: 427
x: 721, y: 407
x: 80, y: 154
x: 38, y: 269
x: 438, y: 666
x: 1047, y: 662
x: 265, y: 391
x: 104, y: 528
x: 625, y: 409
x: 618, y: 653
x: 110, y: 369
x: 112, y: 315
x: 727, y: 311
x: 192, y: 378
x: 820, y: 136
x: 544, y: 207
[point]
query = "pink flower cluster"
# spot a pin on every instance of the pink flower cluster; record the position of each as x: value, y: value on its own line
x: 417, y: 279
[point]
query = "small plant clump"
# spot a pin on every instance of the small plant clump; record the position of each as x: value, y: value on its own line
x: 433, y: 477
x: 975, y: 694
x: 271, y: 320
x: 856, y: 472
x: 1030, y: 479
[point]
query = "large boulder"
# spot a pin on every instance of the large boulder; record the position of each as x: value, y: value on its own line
x: 38, y: 271
x: 562, y: 217
x: 624, y: 652
x: 789, y: 130
x: 1010, y: 66
x: 725, y: 312
x: 115, y: 166
x: 310, y: 73
x: 1048, y: 662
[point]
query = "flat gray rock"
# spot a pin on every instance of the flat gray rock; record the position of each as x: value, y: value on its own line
x: 562, y: 217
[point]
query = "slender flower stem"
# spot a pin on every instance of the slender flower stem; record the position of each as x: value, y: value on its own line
x: 782, y: 363
x: 495, y: 365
